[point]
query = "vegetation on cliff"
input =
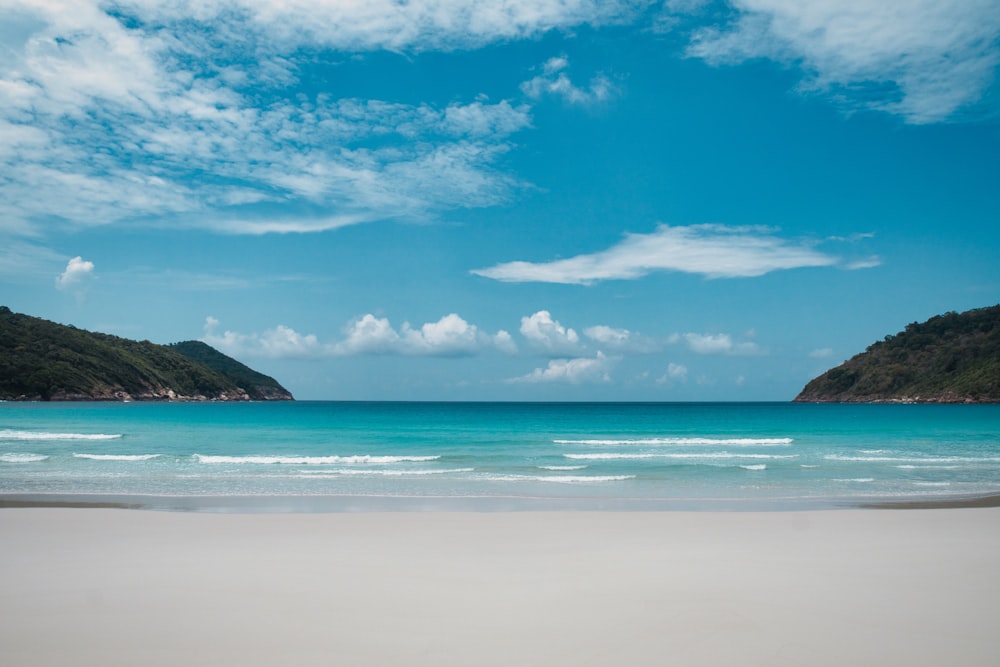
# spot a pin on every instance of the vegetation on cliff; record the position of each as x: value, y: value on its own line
x: 950, y: 358
x: 42, y: 360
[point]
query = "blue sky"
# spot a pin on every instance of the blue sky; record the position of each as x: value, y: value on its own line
x: 520, y: 200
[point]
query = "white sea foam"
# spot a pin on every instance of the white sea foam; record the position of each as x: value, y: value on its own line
x: 931, y: 483
x: 859, y: 480
x: 614, y: 456
x: 756, y: 466
x: 805, y: 465
x: 562, y: 467
x: 915, y: 467
x: 737, y: 442
x: 116, y: 457
x: 560, y: 479
x: 914, y: 459
x: 312, y: 460
x: 319, y: 474
x: 7, y: 434
x: 22, y: 457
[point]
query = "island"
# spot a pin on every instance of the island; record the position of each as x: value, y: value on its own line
x: 950, y: 358
x: 45, y: 361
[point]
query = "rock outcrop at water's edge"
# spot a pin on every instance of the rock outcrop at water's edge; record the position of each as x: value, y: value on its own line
x: 45, y: 361
x: 950, y: 358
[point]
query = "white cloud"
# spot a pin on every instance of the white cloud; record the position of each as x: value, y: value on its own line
x: 419, y: 25
x: 76, y: 275
x: 620, y: 339
x: 280, y: 342
x: 555, y: 81
x: 608, y: 335
x: 675, y: 373
x: 573, y: 371
x: 549, y: 335
x: 922, y: 59
x: 821, y: 353
x: 450, y: 336
x: 177, y: 114
x: 719, y: 344
x: 715, y: 251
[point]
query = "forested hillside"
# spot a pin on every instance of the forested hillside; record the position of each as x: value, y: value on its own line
x: 950, y: 358
x: 43, y: 360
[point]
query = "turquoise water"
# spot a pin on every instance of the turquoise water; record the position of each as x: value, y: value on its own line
x: 342, y: 456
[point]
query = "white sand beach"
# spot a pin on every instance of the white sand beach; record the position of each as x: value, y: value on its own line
x: 844, y: 587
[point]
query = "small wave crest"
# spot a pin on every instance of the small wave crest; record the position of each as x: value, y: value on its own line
x: 22, y: 457
x: 7, y: 434
x: 735, y: 442
x: 319, y: 474
x: 913, y: 459
x: 312, y: 460
x: 561, y: 479
x: 755, y: 466
x: 614, y: 456
x: 562, y: 467
x: 116, y: 457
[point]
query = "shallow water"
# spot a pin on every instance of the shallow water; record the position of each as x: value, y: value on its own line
x: 345, y: 455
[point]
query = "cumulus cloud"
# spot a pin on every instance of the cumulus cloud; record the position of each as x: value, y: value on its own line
x: 451, y: 336
x: 177, y: 113
x: 572, y: 371
x: 922, y: 59
x: 280, y: 342
x: 718, y: 344
x: 548, y: 334
x: 76, y: 275
x: 555, y: 81
x: 714, y: 251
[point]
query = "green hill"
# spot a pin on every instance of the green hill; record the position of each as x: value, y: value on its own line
x: 950, y: 358
x: 42, y: 360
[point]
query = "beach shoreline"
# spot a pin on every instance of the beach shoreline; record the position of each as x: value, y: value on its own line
x: 347, y: 503
x: 99, y: 586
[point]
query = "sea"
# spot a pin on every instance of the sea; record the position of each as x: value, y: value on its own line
x: 309, y: 456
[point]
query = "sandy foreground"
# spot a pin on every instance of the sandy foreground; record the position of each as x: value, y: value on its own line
x: 844, y: 587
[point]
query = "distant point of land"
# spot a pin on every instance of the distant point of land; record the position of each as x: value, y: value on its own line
x: 45, y: 361
x: 950, y: 358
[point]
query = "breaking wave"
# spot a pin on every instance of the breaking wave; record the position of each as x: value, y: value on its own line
x: 612, y: 456
x: 116, y: 457
x: 8, y: 434
x: 736, y: 442
x: 311, y: 460
x: 22, y: 457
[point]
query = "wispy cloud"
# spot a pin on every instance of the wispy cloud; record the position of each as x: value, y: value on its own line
x: 675, y: 373
x: 925, y: 60
x: 179, y: 113
x: 573, y: 371
x: 555, y: 81
x: 720, y: 343
x: 621, y: 340
x: 714, y: 251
